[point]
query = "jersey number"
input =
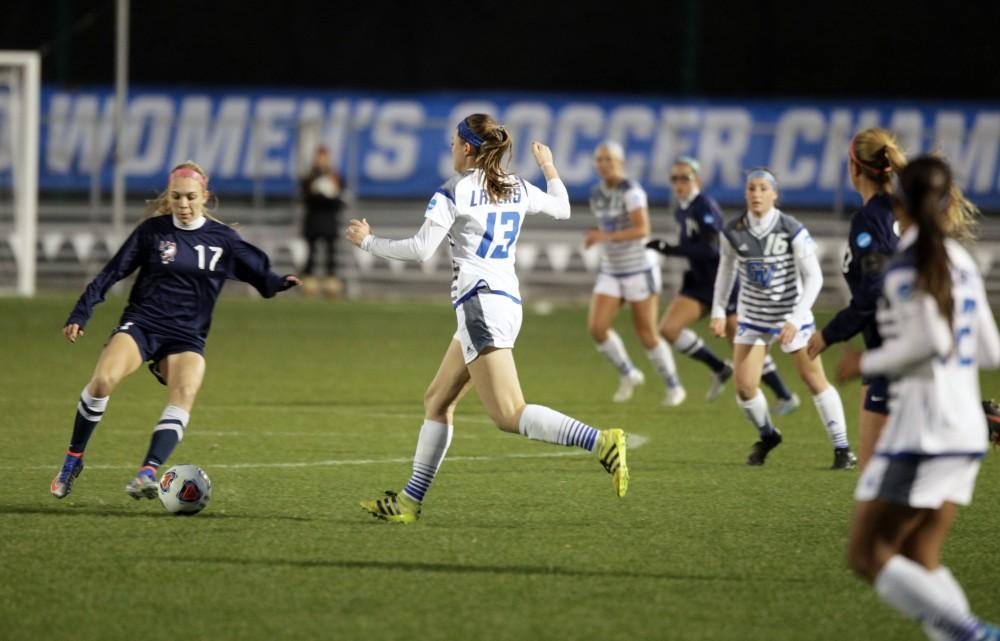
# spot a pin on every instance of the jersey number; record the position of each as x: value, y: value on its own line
x: 216, y: 255
x: 776, y: 245
x: 509, y: 219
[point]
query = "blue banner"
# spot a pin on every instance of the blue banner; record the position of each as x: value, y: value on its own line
x: 397, y: 145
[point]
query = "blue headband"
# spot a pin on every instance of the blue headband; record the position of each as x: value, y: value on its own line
x: 469, y: 136
x: 690, y: 162
x: 764, y: 174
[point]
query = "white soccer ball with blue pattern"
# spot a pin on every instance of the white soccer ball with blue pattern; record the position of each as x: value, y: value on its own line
x: 185, y: 489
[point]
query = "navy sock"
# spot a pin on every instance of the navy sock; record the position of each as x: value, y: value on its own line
x: 772, y: 379
x: 168, y: 433
x: 690, y: 344
x: 89, y: 412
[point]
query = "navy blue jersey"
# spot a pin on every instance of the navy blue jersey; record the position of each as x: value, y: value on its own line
x: 700, y: 224
x: 872, y: 242
x: 181, y: 273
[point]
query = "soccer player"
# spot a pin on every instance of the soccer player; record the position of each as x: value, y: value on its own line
x: 937, y: 331
x: 628, y: 273
x: 700, y: 222
x: 874, y: 159
x: 481, y: 211
x: 780, y: 278
x: 184, y: 257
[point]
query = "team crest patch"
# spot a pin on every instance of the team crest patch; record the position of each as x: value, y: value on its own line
x: 760, y: 273
x: 168, y: 251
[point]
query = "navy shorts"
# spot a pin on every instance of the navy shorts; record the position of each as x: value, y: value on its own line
x: 703, y: 293
x: 154, y: 346
x: 877, y: 397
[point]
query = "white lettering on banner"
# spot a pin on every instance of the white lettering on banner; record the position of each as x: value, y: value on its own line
x: 671, y: 140
x: 446, y: 168
x: 150, y: 120
x: 527, y: 121
x: 725, y: 139
x: 908, y: 125
x: 628, y: 122
x: 76, y: 128
x: 974, y: 163
x: 269, y: 132
x: 397, y: 146
x: 576, y: 166
x: 807, y: 124
x: 337, y: 131
x: 318, y: 127
x: 215, y: 144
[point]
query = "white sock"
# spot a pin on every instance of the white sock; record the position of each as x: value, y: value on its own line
x: 946, y: 582
x: 831, y: 412
x: 688, y: 342
x: 769, y: 365
x: 912, y: 590
x: 173, y: 418
x: 663, y: 362
x: 614, y: 350
x: 432, y: 445
x: 541, y: 423
x: 756, y: 412
x: 93, y: 406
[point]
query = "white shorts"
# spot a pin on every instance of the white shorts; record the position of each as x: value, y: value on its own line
x: 632, y: 287
x: 753, y: 335
x: 487, y: 320
x: 926, y: 482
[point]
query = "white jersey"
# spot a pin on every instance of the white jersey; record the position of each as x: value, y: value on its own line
x: 934, y: 399
x: 483, y: 234
x: 612, y: 207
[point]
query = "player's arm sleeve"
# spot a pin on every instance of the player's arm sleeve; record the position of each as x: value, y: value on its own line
x: 864, y: 301
x: 988, y: 341
x: 124, y: 262
x: 251, y: 265
x: 725, y: 278
x: 554, y: 201
x: 921, y: 334
x: 709, y: 228
x: 811, y: 274
x: 418, y: 247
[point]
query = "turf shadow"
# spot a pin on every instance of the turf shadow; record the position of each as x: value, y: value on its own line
x: 68, y: 510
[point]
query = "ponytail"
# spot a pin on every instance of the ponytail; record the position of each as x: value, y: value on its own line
x: 877, y: 154
x: 493, y: 146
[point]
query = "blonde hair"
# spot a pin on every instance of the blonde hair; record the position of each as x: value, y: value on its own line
x: 158, y: 206
x: 491, y: 155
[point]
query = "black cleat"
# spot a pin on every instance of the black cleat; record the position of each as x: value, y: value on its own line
x: 761, y: 448
x: 844, y: 459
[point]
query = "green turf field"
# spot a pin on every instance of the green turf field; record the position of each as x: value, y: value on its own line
x: 308, y: 407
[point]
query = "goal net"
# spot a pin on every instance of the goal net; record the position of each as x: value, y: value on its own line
x: 20, y: 88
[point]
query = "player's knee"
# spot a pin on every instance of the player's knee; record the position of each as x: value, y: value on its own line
x: 184, y: 393
x: 103, y: 383
x: 671, y: 332
x: 507, y: 418
x: 861, y: 560
x: 746, y: 389
x: 597, y: 332
x: 648, y: 337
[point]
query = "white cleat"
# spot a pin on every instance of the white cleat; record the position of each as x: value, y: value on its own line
x: 627, y: 385
x: 674, y: 396
x: 784, y: 407
x: 719, y: 382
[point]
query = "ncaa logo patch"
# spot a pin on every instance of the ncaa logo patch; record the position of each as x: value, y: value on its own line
x: 863, y: 240
x: 431, y: 204
x: 168, y: 251
x: 708, y: 219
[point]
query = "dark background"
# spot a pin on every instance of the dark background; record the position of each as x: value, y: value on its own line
x: 930, y: 50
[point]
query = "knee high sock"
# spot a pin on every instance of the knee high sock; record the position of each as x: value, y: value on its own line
x: 772, y: 379
x: 831, y: 412
x: 690, y: 344
x: 541, y: 423
x: 756, y: 412
x: 89, y: 412
x: 614, y: 350
x: 167, y: 434
x: 432, y: 445
x: 912, y: 590
x: 946, y: 582
x: 663, y: 362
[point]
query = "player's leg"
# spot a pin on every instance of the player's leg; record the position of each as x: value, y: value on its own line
x: 603, y: 309
x: 657, y: 351
x: 119, y: 358
x: 828, y: 405
x: 184, y: 373
x: 748, y: 358
x: 873, y: 416
x: 494, y: 375
x: 683, y: 312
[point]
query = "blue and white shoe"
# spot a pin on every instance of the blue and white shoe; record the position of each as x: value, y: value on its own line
x: 785, y: 406
x: 144, y: 485
x: 62, y: 484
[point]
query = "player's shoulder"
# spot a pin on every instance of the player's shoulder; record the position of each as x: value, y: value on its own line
x: 704, y: 207
x: 629, y: 185
x: 737, y: 224
x: 452, y: 185
x: 960, y: 256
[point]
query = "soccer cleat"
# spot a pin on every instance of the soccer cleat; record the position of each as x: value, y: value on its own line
x: 393, y: 507
x: 844, y: 459
x: 154, y: 369
x: 144, y: 485
x: 627, y: 385
x: 988, y: 632
x: 674, y: 396
x: 785, y: 406
x: 62, y: 484
x: 762, y: 447
x: 612, y: 450
x: 719, y: 381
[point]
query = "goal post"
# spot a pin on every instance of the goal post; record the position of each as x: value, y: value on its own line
x: 20, y: 72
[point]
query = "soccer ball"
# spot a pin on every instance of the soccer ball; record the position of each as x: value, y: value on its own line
x: 185, y: 489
